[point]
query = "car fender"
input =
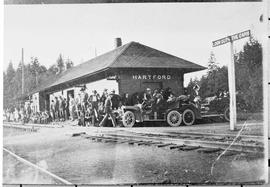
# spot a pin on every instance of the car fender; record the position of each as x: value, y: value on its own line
x: 136, y: 110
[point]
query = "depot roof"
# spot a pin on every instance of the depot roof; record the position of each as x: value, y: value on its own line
x: 131, y: 55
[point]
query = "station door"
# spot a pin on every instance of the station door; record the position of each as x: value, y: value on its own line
x: 151, y: 85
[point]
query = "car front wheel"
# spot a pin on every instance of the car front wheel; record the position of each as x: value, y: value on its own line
x: 128, y: 119
x: 174, y: 118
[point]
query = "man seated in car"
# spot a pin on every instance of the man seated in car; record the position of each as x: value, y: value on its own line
x: 158, y: 98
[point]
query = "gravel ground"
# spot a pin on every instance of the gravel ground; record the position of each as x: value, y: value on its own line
x: 16, y: 172
x: 82, y: 161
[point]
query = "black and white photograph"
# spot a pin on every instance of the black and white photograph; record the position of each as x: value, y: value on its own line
x: 134, y: 93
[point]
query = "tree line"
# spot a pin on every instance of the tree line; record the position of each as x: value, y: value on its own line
x: 35, y: 74
x: 248, y: 70
x: 248, y: 74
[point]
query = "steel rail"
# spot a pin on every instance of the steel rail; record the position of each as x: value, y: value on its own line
x: 188, y: 142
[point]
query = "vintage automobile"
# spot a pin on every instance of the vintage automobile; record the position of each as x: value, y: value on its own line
x: 219, y: 106
x: 215, y: 107
x: 175, y: 112
x: 180, y: 110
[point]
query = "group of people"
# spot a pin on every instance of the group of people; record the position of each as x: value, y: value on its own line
x: 94, y: 109
x: 26, y: 114
x: 89, y: 108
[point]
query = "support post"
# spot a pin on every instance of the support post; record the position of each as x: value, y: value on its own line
x: 231, y: 76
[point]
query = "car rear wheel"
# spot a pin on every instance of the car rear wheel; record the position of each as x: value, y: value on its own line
x: 188, y: 117
x: 174, y: 118
x: 128, y: 119
x: 227, y: 114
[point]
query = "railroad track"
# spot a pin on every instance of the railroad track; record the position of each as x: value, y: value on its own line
x: 244, y: 139
x: 175, y: 144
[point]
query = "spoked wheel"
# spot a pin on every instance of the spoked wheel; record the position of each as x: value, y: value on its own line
x: 128, y: 119
x: 174, y: 118
x: 227, y: 114
x: 188, y: 117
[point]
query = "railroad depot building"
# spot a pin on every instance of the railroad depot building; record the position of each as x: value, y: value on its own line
x: 128, y: 68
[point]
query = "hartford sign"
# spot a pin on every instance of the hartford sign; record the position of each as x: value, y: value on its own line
x: 231, y: 38
x: 152, y: 77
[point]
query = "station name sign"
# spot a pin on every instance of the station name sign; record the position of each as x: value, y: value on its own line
x: 231, y: 38
x: 151, y: 77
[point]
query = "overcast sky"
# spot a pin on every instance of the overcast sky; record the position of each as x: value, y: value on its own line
x: 183, y: 29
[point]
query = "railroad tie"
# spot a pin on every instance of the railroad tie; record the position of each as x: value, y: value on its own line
x: 230, y: 153
x: 189, y: 148
x: 123, y: 141
x: 209, y: 150
x: 99, y: 139
x: 164, y: 145
x: 177, y: 146
x: 197, y: 137
x: 91, y: 137
x: 110, y: 140
x: 219, y: 138
x: 145, y: 143
x: 153, y: 143
x: 78, y: 134
x: 87, y: 136
x: 133, y: 142
x: 181, y: 136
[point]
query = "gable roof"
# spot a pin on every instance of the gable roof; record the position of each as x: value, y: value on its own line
x: 89, y: 67
x: 137, y: 55
x: 131, y: 55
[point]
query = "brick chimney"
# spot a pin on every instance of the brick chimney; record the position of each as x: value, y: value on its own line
x: 117, y: 42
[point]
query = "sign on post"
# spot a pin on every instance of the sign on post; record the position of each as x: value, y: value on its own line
x: 231, y: 72
x: 241, y: 35
x: 232, y: 38
x: 221, y: 41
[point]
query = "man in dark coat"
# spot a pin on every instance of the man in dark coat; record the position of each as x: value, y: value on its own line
x: 61, y: 108
x: 108, y: 112
x: 56, y: 108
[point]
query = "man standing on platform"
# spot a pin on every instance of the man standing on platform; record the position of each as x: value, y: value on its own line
x: 61, y: 108
x: 57, y: 108
x: 52, y: 109
x: 108, y: 112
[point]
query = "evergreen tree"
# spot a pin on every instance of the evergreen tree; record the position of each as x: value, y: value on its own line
x: 212, y: 63
x: 35, y: 76
x: 9, y: 86
x: 248, y: 70
x: 249, y: 74
x: 60, y: 64
x: 35, y: 69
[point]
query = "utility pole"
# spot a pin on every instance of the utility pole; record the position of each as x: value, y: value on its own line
x: 22, y: 63
x: 231, y: 75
